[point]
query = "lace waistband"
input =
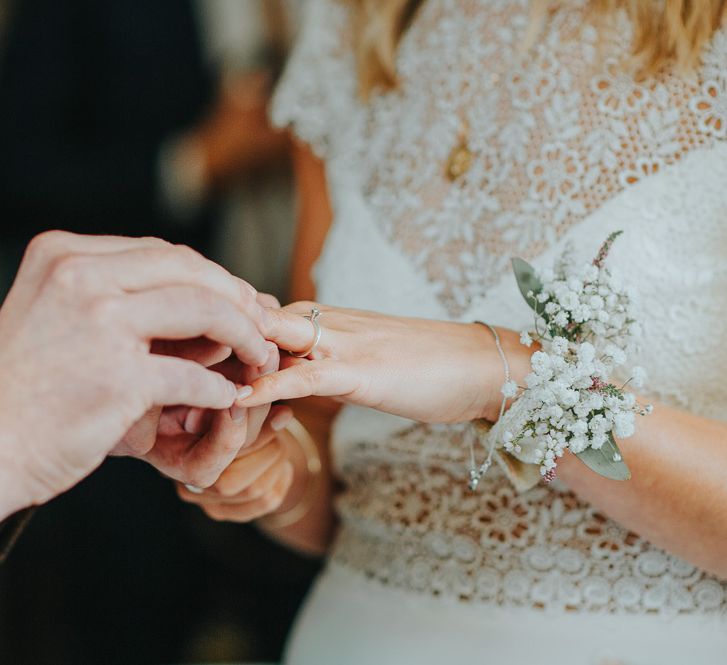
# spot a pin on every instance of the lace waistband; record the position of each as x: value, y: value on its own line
x: 539, y: 576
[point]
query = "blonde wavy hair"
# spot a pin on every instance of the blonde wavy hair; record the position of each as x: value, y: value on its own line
x: 666, y: 32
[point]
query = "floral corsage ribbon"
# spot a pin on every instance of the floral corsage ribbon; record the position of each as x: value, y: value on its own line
x: 585, y: 322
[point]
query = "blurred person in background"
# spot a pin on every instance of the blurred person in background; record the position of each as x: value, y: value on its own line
x: 135, y: 118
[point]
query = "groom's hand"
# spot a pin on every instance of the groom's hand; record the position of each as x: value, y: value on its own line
x: 76, y: 334
x: 194, y: 446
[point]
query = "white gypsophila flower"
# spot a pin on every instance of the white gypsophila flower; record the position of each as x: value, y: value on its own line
x: 629, y: 401
x: 586, y: 320
x: 582, y: 313
x: 559, y: 345
x: 578, y: 444
x: 509, y: 389
x: 525, y: 339
x: 579, y: 428
x: 616, y: 355
x: 568, y: 299
x: 596, y: 303
x: 597, y: 440
x: 599, y: 425
x: 623, y: 424
x: 586, y: 353
x: 540, y: 362
x: 568, y: 397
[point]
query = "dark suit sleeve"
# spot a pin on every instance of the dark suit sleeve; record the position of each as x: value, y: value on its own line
x: 11, y: 529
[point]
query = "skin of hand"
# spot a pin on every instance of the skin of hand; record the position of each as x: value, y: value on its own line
x: 437, y: 372
x: 430, y: 371
x: 257, y: 482
x: 193, y: 445
x: 77, y: 331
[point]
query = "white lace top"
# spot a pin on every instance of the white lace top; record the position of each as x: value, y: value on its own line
x: 567, y: 146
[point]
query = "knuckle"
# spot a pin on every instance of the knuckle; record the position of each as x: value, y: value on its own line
x: 72, y: 272
x: 271, y: 501
x: 43, y: 246
x: 214, y: 512
x: 104, y: 311
x: 228, y: 484
x: 276, y: 498
x: 305, y: 305
x: 156, y: 242
x: 272, y: 383
x: 231, y: 444
x: 205, y: 302
x: 227, y: 488
x: 268, y: 300
x: 250, y: 493
x: 310, y: 375
x: 270, y: 322
x: 248, y: 293
x: 190, y: 256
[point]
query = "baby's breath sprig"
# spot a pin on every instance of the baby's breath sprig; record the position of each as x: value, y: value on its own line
x: 585, y: 320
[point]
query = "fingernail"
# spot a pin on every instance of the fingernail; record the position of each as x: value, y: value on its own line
x: 194, y: 489
x: 238, y: 414
x: 262, y: 358
x: 233, y: 388
x: 273, y: 361
x: 244, y: 393
x: 192, y: 421
x: 281, y: 421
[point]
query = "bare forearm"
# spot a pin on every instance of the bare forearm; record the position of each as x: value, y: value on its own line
x: 677, y: 495
x: 313, y: 532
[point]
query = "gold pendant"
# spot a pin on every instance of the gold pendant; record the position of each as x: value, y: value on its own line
x: 461, y: 157
x: 459, y: 161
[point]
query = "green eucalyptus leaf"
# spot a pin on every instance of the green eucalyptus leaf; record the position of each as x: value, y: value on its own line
x: 527, y: 281
x: 606, y: 461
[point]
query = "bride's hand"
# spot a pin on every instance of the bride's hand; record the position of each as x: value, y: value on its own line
x: 256, y: 483
x: 430, y: 371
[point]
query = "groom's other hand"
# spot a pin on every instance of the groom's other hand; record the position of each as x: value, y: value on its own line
x: 76, y: 364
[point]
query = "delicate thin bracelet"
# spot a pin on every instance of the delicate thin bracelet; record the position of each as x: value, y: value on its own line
x: 314, y: 466
x: 476, y: 473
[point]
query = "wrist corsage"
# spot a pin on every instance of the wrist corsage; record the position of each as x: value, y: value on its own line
x: 585, y: 321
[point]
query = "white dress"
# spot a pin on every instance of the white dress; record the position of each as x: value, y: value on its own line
x: 567, y: 147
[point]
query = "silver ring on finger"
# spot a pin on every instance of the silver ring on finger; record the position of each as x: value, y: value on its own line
x: 313, y: 317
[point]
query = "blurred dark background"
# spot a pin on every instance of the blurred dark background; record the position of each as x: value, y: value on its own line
x: 145, y: 117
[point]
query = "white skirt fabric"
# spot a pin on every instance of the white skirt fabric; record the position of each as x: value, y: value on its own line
x: 350, y: 620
